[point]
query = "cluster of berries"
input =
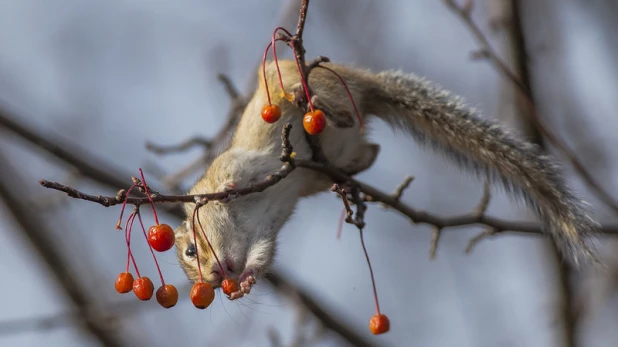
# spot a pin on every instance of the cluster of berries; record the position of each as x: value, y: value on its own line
x: 314, y: 121
x: 160, y: 238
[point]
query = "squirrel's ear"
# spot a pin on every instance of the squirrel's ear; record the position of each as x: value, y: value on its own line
x: 182, y: 229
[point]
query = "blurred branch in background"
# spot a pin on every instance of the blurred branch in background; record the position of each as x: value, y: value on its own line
x: 104, y: 173
x: 488, y: 52
x: 505, y: 17
x: 11, y: 189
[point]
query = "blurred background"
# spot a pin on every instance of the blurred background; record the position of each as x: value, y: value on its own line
x: 102, y: 79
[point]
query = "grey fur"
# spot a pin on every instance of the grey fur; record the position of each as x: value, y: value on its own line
x: 443, y: 122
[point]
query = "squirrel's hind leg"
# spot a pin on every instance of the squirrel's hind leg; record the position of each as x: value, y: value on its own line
x: 365, y: 158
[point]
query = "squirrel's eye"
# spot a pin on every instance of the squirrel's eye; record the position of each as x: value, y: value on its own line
x: 190, y: 252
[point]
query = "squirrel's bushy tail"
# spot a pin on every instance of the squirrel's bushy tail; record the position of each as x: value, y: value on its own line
x: 435, y: 117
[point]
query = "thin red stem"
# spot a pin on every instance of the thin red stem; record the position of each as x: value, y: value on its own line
x: 264, y: 72
x: 154, y: 211
x: 139, y: 216
x: 197, y: 254
x: 124, y: 204
x: 345, y: 85
x: 128, y: 228
x: 302, y: 79
x: 373, y: 281
x: 275, y: 54
x: 199, y: 221
x: 341, y: 218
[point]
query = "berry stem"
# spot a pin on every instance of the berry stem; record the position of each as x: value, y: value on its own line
x: 373, y: 281
x: 264, y: 72
x: 139, y: 216
x: 128, y: 227
x: 345, y: 85
x: 275, y: 54
x: 154, y: 211
x: 197, y: 254
x: 210, y: 246
x: 124, y: 204
x: 302, y: 79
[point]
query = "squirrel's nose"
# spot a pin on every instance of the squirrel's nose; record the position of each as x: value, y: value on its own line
x: 217, y: 277
x: 217, y: 272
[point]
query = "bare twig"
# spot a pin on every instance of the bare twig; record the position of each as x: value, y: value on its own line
x: 489, y: 52
x: 435, y: 239
x: 181, y: 147
x: 489, y: 231
x: 346, y: 203
x: 398, y: 193
x: 485, y: 198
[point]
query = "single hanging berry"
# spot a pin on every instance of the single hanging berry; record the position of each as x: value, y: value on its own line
x: 229, y: 286
x: 202, y: 295
x: 167, y: 296
x: 161, y: 237
x: 143, y: 288
x: 124, y: 282
x: 379, y: 324
x: 271, y: 113
x: 314, y: 122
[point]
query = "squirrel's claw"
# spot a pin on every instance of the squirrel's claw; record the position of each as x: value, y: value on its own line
x: 247, y: 280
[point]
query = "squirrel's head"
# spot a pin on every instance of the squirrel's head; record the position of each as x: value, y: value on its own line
x: 241, y: 230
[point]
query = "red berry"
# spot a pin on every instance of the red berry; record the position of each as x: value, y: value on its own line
x: 161, y: 237
x: 167, y: 296
x: 271, y: 113
x: 314, y: 122
x: 202, y: 295
x: 124, y: 282
x: 229, y: 286
x: 143, y: 288
x: 379, y: 324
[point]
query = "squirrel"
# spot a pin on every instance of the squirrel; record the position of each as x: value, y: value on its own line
x: 243, y: 232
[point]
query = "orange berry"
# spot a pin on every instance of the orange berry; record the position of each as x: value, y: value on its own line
x: 124, y: 282
x: 143, y: 288
x: 161, y: 237
x: 379, y: 324
x: 271, y: 113
x: 202, y: 295
x: 167, y: 296
x: 314, y: 122
x: 229, y: 286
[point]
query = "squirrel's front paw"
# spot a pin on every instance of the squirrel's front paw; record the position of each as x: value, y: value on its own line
x: 247, y: 280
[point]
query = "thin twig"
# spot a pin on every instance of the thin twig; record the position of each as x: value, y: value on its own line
x: 398, y: 193
x: 485, y: 198
x: 180, y: 147
x: 435, y: 239
x: 489, y: 231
